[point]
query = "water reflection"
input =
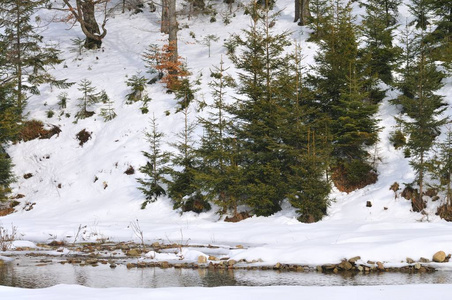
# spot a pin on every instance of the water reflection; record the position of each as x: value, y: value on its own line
x: 29, y: 273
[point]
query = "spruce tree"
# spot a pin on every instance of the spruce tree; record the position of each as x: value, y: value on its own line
x: 26, y: 55
x: 304, y: 154
x: 88, y: 98
x: 258, y: 55
x: 423, y: 107
x: 155, y: 168
x: 219, y: 172
x: 184, y: 188
x: 344, y: 97
x: 441, y: 167
x: 378, y: 27
x: 441, y: 36
x: 320, y: 17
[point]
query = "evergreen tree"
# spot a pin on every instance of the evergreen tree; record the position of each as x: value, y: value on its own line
x: 183, y: 188
x: 319, y: 20
x: 155, y: 168
x: 420, y: 11
x: 26, y: 55
x: 219, y: 173
x: 260, y: 61
x: 441, y: 36
x: 89, y: 97
x: 418, y: 101
x: 441, y: 167
x: 304, y: 151
x: 108, y: 112
x: 343, y: 92
x: 378, y: 27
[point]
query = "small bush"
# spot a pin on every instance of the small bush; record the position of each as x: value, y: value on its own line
x: 130, y: 171
x: 397, y: 139
x: 7, y: 237
x: 353, y: 175
x: 83, y: 136
x: 34, y: 129
x: 50, y: 114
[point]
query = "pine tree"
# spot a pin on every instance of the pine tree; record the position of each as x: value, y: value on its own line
x: 441, y: 167
x: 26, y: 55
x: 320, y: 17
x: 219, y: 172
x: 108, y: 112
x: 418, y: 101
x: 344, y: 97
x: 183, y: 188
x: 260, y: 61
x: 304, y: 155
x: 155, y: 168
x: 441, y: 36
x: 378, y: 27
x: 88, y: 98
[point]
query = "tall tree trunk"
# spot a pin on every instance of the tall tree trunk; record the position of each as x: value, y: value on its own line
x: 165, y: 24
x: 302, y: 12
x: 91, y: 25
x: 172, y: 30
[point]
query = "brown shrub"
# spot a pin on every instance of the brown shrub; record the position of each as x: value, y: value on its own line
x: 445, y: 212
x: 130, y: 171
x: 342, y: 182
x: 238, y: 217
x: 34, y: 129
x: 83, y: 136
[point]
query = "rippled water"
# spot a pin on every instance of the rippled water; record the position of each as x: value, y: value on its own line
x: 30, y: 273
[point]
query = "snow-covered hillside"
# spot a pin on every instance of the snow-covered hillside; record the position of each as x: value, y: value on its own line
x: 75, y: 185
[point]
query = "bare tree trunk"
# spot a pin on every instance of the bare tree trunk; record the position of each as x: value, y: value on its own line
x: 91, y: 25
x: 84, y: 13
x: 172, y: 30
x: 302, y: 12
x: 164, y: 26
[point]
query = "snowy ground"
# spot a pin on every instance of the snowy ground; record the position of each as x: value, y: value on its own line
x: 68, y: 292
x: 67, y: 196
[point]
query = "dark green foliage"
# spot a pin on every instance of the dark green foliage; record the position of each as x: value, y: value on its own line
x: 378, y: 27
x: 26, y: 56
x: 219, y: 172
x: 319, y: 20
x: 398, y: 139
x: 183, y: 188
x: 257, y: 114
x: 137, y: 85
x: 418, y: 101
x: 440, y: 167
x: 6, y: 175
x: 419, y: 10
x: 108, y: 112
x: 89, y: 97
x: 346, y: 91
x: 441, y: 36
x: 155, y: 168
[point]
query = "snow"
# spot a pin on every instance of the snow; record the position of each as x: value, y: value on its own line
x: 69, y: 292
x: 97, y: 196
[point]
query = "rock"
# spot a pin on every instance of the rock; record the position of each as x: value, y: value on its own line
x: 319, y: 268
x: 439, y: 256
x: 353, y: 260
x: 155, y: 245
x: 202, y: 259
x: 133, y: 252
x: 239, y: 247
x: 130, y: 265
x: 300, y: 269
x: 368, y: 204
x: 232, y: 262
x: 380, y: 265
x: 113, y: 265
x: 211, y: 257
x: 409, y: 260
x: 424, y: 260
x: 345, y: 265
x: 277, y: 266
x: 417, y: 266
x: 360, y: 268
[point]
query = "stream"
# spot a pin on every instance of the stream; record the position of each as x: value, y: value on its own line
x: 31, y: 272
